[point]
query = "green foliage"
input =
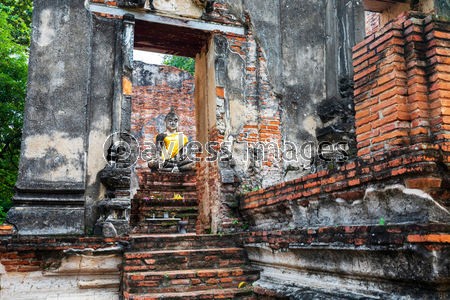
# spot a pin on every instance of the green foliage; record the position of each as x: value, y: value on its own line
x: 90, y: 232
x: 245, y: 225
x: 2, y: 215
x: 19, y: 17
x: 14, y: 40
x: 181, y: 62
x: 382, y: 221
x: 208, y: 230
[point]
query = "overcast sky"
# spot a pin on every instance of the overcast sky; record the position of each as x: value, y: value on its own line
x: 148, y: 57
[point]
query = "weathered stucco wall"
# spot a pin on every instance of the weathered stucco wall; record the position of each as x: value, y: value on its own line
x: 105, y: 46
x: 74, y: 79
x: 301, y: 52
x: 53, y: 157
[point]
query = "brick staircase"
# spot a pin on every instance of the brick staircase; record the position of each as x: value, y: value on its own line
x: 187, y: 267
x: 155, y: 196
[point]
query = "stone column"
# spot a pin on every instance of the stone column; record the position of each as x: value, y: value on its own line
x: 117, y: 175
x: 50, y: 188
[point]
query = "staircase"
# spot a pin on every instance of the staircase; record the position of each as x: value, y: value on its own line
x: 155, y: 197
x: 187, y: 267
x: 165, y: 265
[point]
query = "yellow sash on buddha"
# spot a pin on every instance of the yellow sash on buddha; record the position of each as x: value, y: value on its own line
x: 175, y: 139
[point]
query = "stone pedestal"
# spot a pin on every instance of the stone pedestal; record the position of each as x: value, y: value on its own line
x: 115, y: 209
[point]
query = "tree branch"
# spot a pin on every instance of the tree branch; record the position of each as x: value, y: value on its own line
x: 9, y: 142
x: 11, y: 158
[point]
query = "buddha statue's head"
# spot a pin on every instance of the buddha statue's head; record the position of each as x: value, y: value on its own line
x: 172, y: 120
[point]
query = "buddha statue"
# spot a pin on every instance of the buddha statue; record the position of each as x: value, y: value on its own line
x: 170, y: 147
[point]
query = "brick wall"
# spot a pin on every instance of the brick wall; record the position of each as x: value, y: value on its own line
x: 56, y: 268
x: 27, y: 255
x: 262, y: 110
x: 372, y: 22
x: 401, y: 84
x: 155, y: 88
x: 261, y: 113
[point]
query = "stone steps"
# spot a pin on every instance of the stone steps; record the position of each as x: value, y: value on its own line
x: 180, y: 241
x: 166, y: 227
x: 161, y: 190
x: 189, y: 280
x: 155, y: 197
x: 235, y: 293
x: 139, y: 224
x: 166, y: 208
x: 169, y: 187
x: 187, y: 267
x: 146, y: 200
x: 180, y: 266
x: 185, y: 259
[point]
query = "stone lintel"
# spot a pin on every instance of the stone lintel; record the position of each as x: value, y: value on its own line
x: 151, y: 17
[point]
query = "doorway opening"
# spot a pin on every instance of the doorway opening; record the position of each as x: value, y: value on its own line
x: 170, y: 197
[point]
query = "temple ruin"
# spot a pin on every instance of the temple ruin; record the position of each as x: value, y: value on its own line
x: 354, y: 204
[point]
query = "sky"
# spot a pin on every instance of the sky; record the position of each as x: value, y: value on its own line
x: 148, y: 57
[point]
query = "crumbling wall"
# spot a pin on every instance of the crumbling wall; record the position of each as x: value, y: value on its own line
x: 372, y: 22
x: 302, y: 60
x: 374, y: 204
x: 278, y: 73
x: 62, y: 268
x: 155, y: 89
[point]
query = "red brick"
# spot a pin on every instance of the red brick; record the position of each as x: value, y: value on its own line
x: 384, y: 38
x: 366, y: 104
x: 360, y: 52
x: 366, y: 120
x: 396, y: 108
x: 430, y: 238
x: 401, y: 116
x: 363, y: 129
x: 360, y: 67
x: 393, y: 126
x: 366, y: 72
x: 181, y: 282
x: 396, y: 91
x: 363, y: 43
x: 206, y: 273
x: 390, y: 135
x: 369, y: 135
x: 387, y: 86
x: 424, y: 183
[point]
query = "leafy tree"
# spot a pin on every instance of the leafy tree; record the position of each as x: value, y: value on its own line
x: 15, y: 18
x: 19, y: 17
x: 181, y: 62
